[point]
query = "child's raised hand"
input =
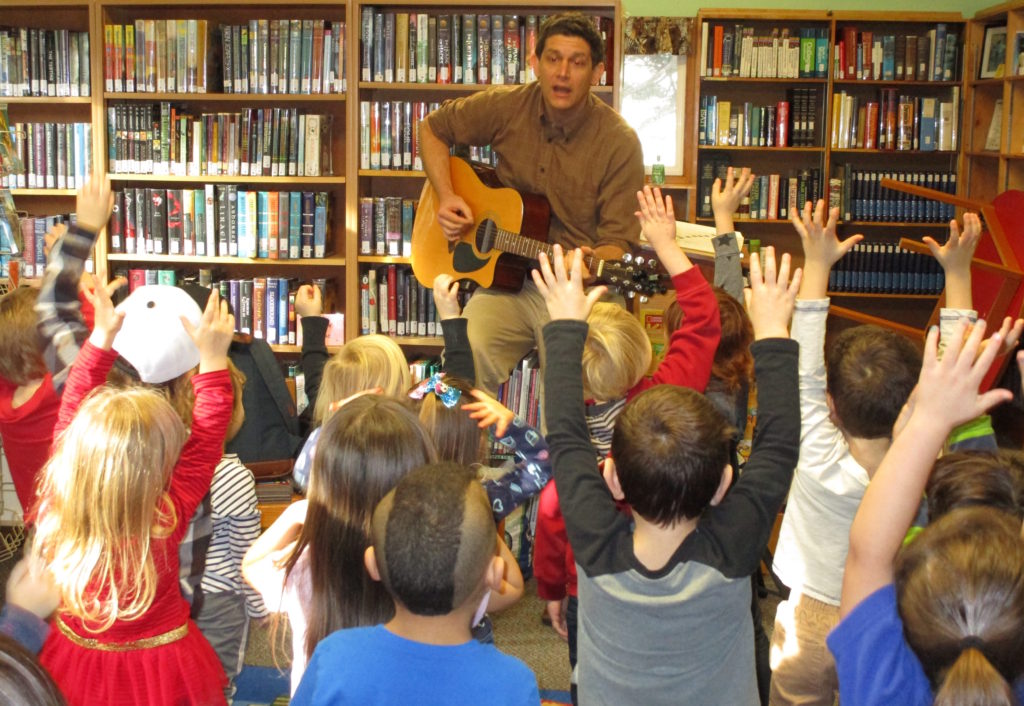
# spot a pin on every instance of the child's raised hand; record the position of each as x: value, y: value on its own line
x: 213, y: 337
x: 657, y: 216
x: 818, y: 234
x: 771, y: 296
x: 958, y: 250
x: 488, y: 411
x: 106, y: 320
x: 446, y: 297
x: 947, y: 390
x: 726, y: 196
x: 94, y: 204
x: 309, y: 301
x: 563, y: 290
x: 31, y: 586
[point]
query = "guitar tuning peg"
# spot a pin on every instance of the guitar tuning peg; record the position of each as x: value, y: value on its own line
x: 629, y: 294
x: 652, y: 264
x: 644, y: 299
x: 628, y: 257
x: 640, y: 260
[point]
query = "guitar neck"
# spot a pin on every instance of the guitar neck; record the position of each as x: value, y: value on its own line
x: 516, y: 244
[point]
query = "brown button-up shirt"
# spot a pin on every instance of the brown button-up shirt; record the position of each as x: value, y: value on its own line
x: 589, y: 168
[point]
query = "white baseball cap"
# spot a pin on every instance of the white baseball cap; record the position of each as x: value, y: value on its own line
x: 152, y: 337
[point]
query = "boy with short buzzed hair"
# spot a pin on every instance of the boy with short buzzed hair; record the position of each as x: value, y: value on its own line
x: 434, y: 550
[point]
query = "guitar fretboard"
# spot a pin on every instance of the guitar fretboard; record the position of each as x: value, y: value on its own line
x: 516, y: 244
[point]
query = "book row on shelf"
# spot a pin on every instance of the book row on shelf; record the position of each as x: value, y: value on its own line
x: 861, y: 197
x: 400, y: 47
x: 51, y: 156
x: 162, y: 139
x: 44, y: 62
x: 736, y: 51
x: 385, y: 225
x: 264, y: 307
x: 895, y: 121
x: 284, y: 56
x: 392, y: 302
x: 389, y: 134
x: 787, y: 123
x: 223, y: 220
x: 869, y: 56
x: 261, y: 56
x: 886, y: 268
x: 32, y: 258
x: 771, y: 197
x: 521, y: 392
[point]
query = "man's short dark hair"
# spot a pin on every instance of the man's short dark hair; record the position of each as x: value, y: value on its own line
x: 572, y: 24
x: 870, y: 373
x: 670, y: 446
x: 433, y: 536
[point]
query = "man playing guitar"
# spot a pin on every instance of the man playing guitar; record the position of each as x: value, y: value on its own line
x: 553, y: 138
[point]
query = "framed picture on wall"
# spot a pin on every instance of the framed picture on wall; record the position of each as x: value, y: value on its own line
x: 993, y: 53
x: 1018, y: 52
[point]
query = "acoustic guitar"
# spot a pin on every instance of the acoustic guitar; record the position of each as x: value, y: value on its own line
x: 509, y: 232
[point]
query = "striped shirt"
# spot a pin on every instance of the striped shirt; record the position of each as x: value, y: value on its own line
x: 236, y: 525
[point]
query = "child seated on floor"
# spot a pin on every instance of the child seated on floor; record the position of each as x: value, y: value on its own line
x: 433, y: 548
x: 940, y: 619
x: 664, y: 608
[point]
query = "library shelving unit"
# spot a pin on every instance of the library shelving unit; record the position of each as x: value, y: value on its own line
x: 212, y: 101
x: 59, y: 15
x: 742, y: 94
x: 994, y: 103
x: 391, y: 88
x: 851, y: 151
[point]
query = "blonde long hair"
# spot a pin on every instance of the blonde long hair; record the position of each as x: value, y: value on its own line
x: 362, y: 363
x: 103, y: 498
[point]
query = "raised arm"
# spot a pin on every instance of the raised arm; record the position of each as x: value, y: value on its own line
x: 946, y: 395
x: 310, y: 306
x: 58, y: 307
x: 725, y: 200
x: 211, y: 412
x: 822, y: 249
x: 955, y: 256
x: 457, y: 358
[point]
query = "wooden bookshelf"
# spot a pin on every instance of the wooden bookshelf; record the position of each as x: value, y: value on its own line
x: 989, y: 171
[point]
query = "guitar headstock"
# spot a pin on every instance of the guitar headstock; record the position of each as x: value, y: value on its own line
x: 634, y: 275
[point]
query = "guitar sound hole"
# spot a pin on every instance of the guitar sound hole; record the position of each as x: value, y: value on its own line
x: 486, y: 233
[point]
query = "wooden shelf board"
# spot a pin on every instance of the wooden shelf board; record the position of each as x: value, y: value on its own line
x: 979, y: 82
x: 214, y: 260
x: 43, y: 192
x: 861, y: 150
x: 744, y: 79
x: 446, y: 87
x: 894, y: 224
x: 671, y: 185
x: 985, y: 154
x: 893, y: 82
x: 425, y: 341
x: 887, y: 17
x: 748, y: 220
x: 46, y: 100
x: 228, y: 97
x: 748, y: 148
x: 771, y: 15
x: 413, y: 173
x: 385, y: 259
x: 1013, y: 156
x: 222, y: 179
x: 879, y: 295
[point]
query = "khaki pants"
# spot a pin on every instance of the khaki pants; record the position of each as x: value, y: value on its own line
x: 502, y: 328
x: 803, y: 671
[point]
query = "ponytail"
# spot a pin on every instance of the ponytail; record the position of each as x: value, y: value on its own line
x: 973, y: 681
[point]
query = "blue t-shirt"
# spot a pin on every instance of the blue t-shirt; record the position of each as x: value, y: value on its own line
x: 873, y: 660
x: 372, y: 665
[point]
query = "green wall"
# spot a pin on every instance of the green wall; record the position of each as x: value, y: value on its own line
x: 688, y: 8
